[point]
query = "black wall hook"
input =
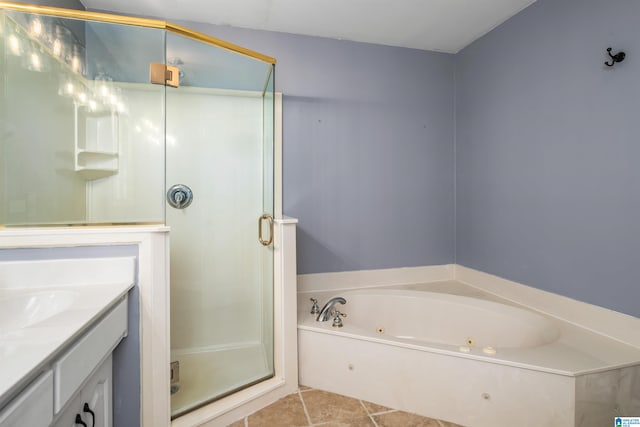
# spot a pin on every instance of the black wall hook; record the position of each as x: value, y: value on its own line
x: 618, y: 57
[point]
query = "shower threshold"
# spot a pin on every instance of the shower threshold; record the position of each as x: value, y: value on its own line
x: 206, y: 376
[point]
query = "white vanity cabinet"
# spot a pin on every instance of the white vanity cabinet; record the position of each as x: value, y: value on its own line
x: 33, y: 407
x: 92, y: 404
x: 81, y: 373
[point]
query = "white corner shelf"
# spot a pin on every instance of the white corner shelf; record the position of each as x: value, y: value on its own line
x: 96, y: 143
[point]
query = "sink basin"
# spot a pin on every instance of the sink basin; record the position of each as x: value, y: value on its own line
x: 25, y: 309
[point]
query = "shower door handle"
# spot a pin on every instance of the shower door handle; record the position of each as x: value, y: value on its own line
x: 262, y: 218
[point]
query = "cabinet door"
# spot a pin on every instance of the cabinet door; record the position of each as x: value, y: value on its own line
x: 97, y: 396
x: 68, y: 417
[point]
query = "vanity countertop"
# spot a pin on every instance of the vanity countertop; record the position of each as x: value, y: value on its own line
x: 71, y: 302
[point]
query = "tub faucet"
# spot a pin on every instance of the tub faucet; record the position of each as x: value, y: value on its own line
x: 327, y: 310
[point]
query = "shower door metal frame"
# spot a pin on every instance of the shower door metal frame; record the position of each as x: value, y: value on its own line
x: 135, y: 21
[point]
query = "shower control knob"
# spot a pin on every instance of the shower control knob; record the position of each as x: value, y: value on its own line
x: 179, y: 196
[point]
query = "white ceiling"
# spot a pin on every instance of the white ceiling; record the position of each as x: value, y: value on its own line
x: 438, y: 25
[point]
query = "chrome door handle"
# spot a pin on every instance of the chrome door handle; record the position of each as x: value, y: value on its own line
x: 260, y: 221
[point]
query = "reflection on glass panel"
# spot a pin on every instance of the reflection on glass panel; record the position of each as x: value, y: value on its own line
x: 69, y: 155
x: 221, y: 276
x: 204, y: 66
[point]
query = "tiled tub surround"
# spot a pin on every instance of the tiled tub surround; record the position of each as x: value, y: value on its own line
x: 562, y: 375
x: 93, y: 287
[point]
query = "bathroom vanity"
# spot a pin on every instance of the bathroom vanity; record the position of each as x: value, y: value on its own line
x: 60, y: 321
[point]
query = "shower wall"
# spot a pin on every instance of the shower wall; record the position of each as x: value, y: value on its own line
x: 211, y: 160
x: 36, y: 158
x: 221, y: 299
x: 135, y: 193
x: 68, y: 134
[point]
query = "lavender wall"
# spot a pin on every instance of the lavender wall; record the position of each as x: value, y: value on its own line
x: 368, y: 149
x: 548, y: 151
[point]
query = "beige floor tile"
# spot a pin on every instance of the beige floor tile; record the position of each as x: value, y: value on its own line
x: 355, y: 422
x: 448, y: 424
x: 237, y: 424
x: 286, y: 412
x: 404, y: 419
x: 372, y: 408
x: 323, y: 406
x: 304, y: 388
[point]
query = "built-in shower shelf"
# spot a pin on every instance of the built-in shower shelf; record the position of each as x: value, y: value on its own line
x: 96, y: 155
x: 92, y: 165
x: 96, y: 143
x: 91, y: 174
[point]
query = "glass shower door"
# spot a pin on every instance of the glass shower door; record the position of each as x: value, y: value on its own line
x: 217, y: 146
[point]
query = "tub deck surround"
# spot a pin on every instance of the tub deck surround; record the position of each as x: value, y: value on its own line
x: 558, y: 373
x: 618, y: 326
x: 83, y: 297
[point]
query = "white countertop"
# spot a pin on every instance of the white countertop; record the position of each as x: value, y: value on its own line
x: 26, y: 352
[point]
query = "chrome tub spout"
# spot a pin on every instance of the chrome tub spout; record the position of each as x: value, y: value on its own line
x: 328, y: 309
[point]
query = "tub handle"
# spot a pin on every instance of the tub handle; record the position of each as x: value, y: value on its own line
x: 314, y: 308
x: 337, y: 321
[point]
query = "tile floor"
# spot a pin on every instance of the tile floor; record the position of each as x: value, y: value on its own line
x: 311, y: 407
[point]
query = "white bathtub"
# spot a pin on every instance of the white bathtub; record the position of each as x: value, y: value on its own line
x: 471, y: 323
x: 471, y: 360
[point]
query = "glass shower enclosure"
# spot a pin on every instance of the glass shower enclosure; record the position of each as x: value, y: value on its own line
x: 111, y: 120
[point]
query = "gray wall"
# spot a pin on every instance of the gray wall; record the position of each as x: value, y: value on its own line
x: 368, y: 149
x: 547, y: 150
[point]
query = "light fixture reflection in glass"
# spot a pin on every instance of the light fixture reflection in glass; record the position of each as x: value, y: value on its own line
x: 36, y: 64
x: 76, y: 60
x: 61, y: 41
x: 75, y: 64
x: 57, y: 47
x: 14, y: 44
x: 36, y: 27
x: 35, y: 59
